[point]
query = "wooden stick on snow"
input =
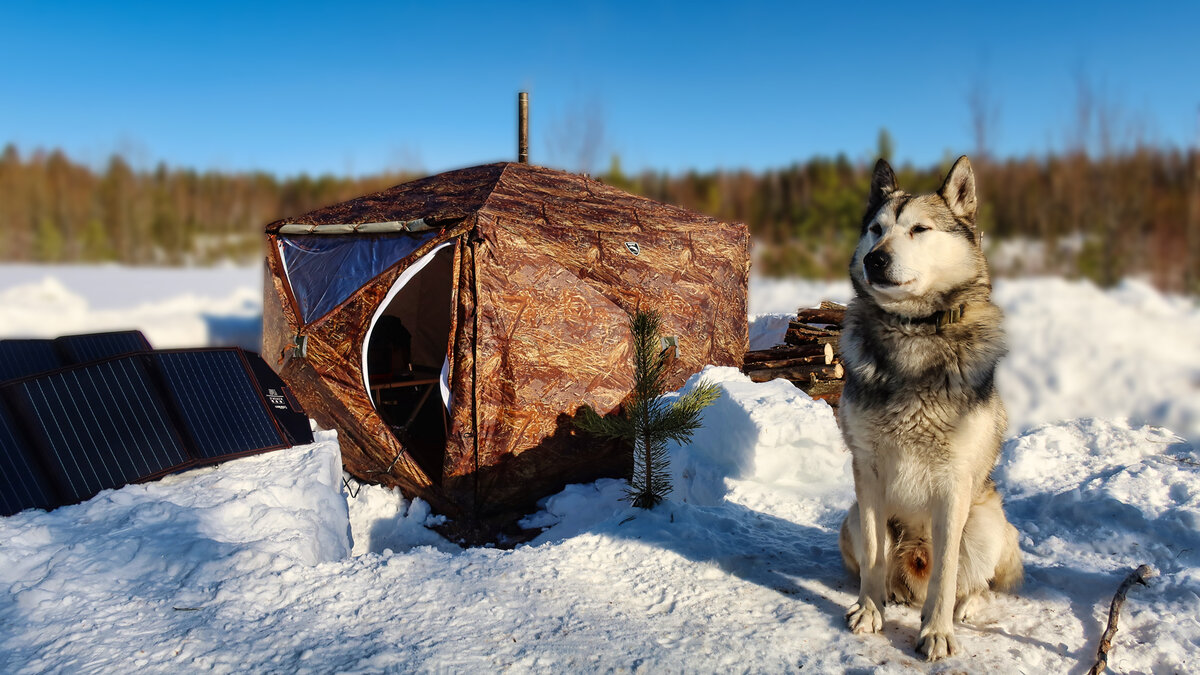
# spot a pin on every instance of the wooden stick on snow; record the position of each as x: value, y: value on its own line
x: 1138, y: 576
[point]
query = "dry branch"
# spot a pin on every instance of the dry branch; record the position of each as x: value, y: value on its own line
x: 1138, y: 576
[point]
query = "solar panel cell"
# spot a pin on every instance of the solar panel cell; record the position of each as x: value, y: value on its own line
x: 96, y: 346
x: 218, y: 401
x: 101, y: 425
x: 19, y: 358
x: 23, y: 484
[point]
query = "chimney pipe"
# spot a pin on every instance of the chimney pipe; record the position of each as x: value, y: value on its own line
x: 523, y: 128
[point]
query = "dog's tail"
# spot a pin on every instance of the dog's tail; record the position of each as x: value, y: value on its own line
x: 1009, y: 570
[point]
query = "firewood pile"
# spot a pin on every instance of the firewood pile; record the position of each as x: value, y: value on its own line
x: 809, y: 357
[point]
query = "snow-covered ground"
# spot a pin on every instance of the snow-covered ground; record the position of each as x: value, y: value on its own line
x: 249, y: 567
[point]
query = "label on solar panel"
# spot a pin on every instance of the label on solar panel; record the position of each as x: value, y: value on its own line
x: 287, y: 410
x: 277, y: 400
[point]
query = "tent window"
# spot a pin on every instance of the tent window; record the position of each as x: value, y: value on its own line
x: 325, y: 270
x: 405, y: 353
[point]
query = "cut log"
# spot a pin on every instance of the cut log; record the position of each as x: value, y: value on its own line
x: 823, y: 353
x: 822, y: 316
x: 815, y: 360
x: 804, y: 372
x: 821, y: 388
x: 826, y: 304
x: 833, y: 398
x: 808, y: 335
x: 801, y: 327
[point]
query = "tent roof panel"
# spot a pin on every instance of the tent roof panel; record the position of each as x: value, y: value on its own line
x: 526, y: 193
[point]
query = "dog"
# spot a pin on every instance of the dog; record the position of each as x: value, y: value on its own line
x: 920, y: 412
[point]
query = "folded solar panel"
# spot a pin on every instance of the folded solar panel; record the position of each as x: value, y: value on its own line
x: 67, y: 434
x: 21, y: 358
x: 99, y: 425
x: 96, y: 346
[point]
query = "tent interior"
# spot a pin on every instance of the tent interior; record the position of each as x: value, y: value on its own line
x: 406, y: 359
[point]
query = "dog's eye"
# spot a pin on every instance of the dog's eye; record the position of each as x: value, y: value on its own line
x: 876, y: 229
x: 918, y: 229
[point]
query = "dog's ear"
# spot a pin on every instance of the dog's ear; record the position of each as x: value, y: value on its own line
x: 883, y: 184
x: 959, y: 190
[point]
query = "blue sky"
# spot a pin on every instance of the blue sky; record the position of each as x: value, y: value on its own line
x: 356, y: 88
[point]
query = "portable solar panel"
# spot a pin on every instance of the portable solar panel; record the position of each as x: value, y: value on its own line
x: 100, y: 425
x: 71, y: 432
x: 19, y: 358
x: 23, y: 484
x: 96, y: 346
x: 217, y: 398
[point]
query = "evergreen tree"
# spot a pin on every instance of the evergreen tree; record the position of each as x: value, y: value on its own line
x: 648, y: 421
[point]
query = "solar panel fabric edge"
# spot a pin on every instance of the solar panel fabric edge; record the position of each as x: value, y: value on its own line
x: 289, y: 415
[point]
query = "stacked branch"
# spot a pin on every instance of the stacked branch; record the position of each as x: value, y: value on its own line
x: 809, y: 356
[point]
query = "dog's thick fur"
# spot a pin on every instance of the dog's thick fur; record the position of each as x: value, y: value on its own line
x: 920, y: 412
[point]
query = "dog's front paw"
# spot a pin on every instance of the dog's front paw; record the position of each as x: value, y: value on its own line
x: 964, y: 609
x: 936, y: 644
x: 864, y: 617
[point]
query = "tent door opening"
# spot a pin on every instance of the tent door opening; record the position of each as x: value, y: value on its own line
x: 407, y: 348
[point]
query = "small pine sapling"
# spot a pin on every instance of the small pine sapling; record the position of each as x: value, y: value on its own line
x: 648, y: 421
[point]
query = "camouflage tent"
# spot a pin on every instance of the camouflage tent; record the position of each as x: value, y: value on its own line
x: 450, y: 328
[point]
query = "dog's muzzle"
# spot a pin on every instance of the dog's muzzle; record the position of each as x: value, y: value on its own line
x: 875, y: 264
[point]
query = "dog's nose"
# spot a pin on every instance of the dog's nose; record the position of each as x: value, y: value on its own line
x: 877, y: 260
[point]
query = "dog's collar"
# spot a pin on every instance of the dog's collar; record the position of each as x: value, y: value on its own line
x: 939, y: 320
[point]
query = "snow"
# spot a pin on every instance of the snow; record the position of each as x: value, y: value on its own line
x: 174, y: 307
x: 266, y: 564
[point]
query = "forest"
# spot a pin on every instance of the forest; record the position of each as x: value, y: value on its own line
x: 1099, y: 216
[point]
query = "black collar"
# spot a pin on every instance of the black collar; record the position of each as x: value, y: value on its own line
x: 938, y: 319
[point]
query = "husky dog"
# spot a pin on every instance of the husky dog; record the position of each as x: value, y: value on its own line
x: 920, y: 412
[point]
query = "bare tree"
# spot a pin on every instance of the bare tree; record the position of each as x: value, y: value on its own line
x: 984, y: 110
x: 577, y: 139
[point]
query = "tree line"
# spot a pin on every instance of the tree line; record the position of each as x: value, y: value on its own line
x: 1100, y: 217
x: 55, y: 210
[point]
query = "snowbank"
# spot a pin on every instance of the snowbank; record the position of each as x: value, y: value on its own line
x: 141, y: 559
x: 173, y: 307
